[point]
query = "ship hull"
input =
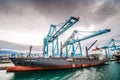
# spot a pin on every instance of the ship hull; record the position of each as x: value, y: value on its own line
x: 28, y: 64
x: 118, y: 57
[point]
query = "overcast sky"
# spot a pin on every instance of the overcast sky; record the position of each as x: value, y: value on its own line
x: 28, y: 21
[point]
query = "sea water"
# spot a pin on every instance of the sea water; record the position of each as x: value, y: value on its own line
x: 110, y: 71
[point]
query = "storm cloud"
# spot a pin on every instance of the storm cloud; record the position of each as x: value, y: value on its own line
x: 35, y: 16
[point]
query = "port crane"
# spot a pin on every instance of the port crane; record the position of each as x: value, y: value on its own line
x: 73, y: 36
x: 111, y: 47
x: 54, y: 33
x: 71, y: 41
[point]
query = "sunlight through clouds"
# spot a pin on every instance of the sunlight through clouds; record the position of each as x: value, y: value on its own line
x: 23, y: 38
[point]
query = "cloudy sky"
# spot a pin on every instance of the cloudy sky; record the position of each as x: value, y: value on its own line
x: 28, y: 21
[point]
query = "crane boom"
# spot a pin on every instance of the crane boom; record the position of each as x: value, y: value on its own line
x: 72, y: 35
x: 53, y: 32
x: 100, y: 32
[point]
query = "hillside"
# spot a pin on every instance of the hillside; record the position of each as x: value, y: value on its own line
x: 18, y: 47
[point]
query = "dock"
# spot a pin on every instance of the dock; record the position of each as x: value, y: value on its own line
x: 3, y: 66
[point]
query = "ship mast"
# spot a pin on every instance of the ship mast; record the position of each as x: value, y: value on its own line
x: 30, y: 49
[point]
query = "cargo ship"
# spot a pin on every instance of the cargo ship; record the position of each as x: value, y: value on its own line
x: 28, y: 64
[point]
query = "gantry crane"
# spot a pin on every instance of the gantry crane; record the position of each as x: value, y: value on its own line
x: 54, y: 33
x: 71, y: 41
x: 73, y: 36
x: 111, y: 47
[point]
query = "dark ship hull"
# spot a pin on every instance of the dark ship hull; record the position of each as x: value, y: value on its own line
x: 118, y: 57
x: 27, y: 64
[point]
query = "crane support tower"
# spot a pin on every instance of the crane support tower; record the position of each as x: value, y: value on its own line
x: 111, y: 47
x: 54, y: 33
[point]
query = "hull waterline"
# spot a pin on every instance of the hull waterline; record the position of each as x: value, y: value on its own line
x: 50, y: 64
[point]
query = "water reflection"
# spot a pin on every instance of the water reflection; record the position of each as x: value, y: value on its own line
x: 90, y: 73
x: 44, y: 75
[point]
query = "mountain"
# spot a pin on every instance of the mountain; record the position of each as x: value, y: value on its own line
x: 9, y: 52
x: 17, y: 47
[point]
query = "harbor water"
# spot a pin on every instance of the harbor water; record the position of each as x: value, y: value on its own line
x: 110, y: 71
